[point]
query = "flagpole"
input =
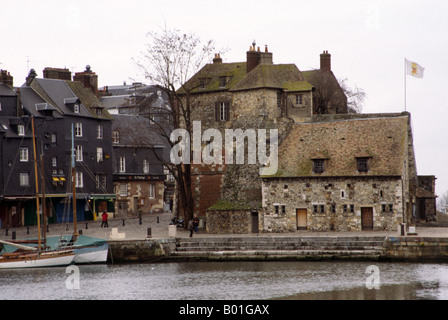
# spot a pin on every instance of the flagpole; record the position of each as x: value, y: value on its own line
x: 404, y: 84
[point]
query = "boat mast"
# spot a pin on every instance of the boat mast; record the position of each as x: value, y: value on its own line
x: 37, y: 186
x: 75, y: 233
x: 44, y: 209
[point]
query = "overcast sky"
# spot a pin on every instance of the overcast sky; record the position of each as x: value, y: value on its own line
x: 368, y: 41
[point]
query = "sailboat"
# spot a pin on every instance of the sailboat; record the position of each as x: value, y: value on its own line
x: 29, y: 256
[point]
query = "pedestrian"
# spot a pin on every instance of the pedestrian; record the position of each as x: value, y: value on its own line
x: 195, y: 223
x: 104, y: 218
x: 190, y: 227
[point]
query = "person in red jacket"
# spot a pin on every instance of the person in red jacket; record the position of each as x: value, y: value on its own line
x: 104, y: 223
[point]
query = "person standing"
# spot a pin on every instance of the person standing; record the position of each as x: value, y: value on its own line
x: 104, y: 218
x: 190, y: 227
x: 195, y: 223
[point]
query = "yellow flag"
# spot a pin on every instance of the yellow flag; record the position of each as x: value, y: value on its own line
x: 414, y: 69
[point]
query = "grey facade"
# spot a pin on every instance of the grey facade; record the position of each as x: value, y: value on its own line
x: 56, y: 106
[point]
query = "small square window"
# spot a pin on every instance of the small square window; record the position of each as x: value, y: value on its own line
x: 344, y: 208
x: 391, y: 207
x: 362, y: 164
x: 318, y: 165
x: 333, y: 208
x: 352, y: 208
x: 276, y: 208
x: 283, y: 210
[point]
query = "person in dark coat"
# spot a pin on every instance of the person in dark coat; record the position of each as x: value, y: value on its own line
x: 190, y: 227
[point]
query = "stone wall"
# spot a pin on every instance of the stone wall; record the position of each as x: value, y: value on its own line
x: 331, y: 203
x: 139, y: 190
x: 228, y: 221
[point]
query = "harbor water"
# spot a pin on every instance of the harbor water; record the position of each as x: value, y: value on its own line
x: 335, y: 280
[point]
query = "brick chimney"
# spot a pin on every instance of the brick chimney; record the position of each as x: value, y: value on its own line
x: 31, y: 75
x: 57, y: 73
x: 6, y: 78
x: 256, y: 57
x: 217, y: 58
x: 325, y: 61
x: 88, y: 78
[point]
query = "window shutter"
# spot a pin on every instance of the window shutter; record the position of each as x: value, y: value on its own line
x: 227, y: 111
x: 216, y: 111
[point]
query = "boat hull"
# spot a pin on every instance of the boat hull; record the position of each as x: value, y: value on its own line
x: 93, y: 254
x: 37, y: 261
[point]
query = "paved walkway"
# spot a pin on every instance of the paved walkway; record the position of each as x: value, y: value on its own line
x: 158, y: 223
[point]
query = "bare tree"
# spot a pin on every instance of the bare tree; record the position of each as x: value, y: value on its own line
x: 443, y: 202
x: 171, y: 58
x: 333, y: 95
x: 355, y: 97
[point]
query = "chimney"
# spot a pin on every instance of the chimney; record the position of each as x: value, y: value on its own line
x: 325, y: 61
x: 57, y: 73
x: 88, y: 78
x: 256, y: 57
x: 31, y: 75
x: 6, y: 78
x: 217, y: 58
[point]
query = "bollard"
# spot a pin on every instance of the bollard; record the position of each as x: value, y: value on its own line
x: 66, y: 227
x: 87, y: 227
x: 149, y: 233
x: 123, y: 222
x: 6, y: 231
x: 48, y: 228
x: 27, y: 230
x: 157, y: 219
x: 80, y: 232
x: 140, y: 220
x: 13, y: 235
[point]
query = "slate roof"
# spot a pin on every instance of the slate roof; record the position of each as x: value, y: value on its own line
x: 383, y: 139
x: 277, y: 76
x: 88, y: 99
x: 136, y: 131
x: 33, y: 102
x: 6, y: 90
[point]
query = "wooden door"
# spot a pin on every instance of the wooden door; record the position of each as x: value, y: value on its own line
x: 301, y: 219
x: 254, y: 215
x: 367, y: 218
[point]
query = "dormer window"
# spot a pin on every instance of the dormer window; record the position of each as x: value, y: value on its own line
x: 21, y: 130
x: 222, y: 82
x: 202, y: 83
x: 362, y: 164
x: 318, y: 165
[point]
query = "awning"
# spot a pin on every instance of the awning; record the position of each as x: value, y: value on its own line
x: 103, y: 196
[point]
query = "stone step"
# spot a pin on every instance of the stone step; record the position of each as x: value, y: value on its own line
x: 297, y: 243
x: 276, y: 253
x: 285, y: 239
x: 283, y: 248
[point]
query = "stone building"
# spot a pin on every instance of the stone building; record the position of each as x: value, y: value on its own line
x: 344, y: 173
x: 254, y: 94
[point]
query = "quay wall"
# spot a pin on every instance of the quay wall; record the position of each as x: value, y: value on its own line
x: 405, y: 248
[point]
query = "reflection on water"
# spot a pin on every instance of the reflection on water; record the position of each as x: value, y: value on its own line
x: 230, y: 280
